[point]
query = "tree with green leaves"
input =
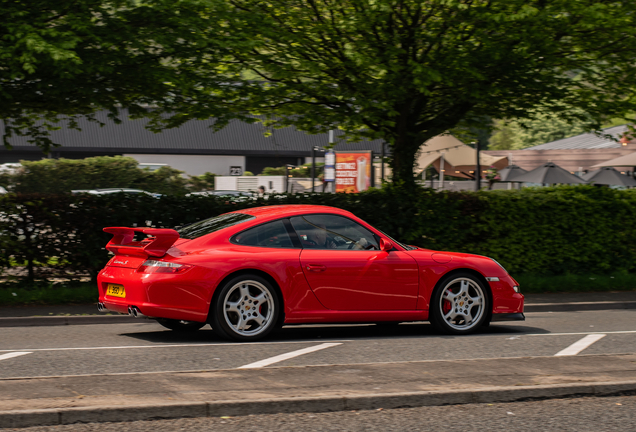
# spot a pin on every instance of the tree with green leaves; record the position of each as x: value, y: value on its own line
x: 408, y: 70
x: 60, y: 59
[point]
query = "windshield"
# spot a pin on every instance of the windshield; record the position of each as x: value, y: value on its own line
x: 207, y: 226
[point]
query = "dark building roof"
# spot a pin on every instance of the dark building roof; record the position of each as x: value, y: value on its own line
x: 585, y: 141
x: 194, y: 137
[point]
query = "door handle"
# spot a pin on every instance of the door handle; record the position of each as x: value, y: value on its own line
x: 316, y: 267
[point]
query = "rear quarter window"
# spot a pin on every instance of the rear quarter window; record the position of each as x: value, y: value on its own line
x: 272, y: 234
x: 207, y: 226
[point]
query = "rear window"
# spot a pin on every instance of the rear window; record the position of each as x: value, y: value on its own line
x: 207, y: 226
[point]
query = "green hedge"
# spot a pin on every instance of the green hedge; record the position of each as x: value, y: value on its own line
x: 54, y: 176
x: 546, y: 231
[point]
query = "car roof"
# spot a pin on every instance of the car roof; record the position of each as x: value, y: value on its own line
x: 290, y: 210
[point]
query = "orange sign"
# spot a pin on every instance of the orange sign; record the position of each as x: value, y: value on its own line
x: 353, y: 171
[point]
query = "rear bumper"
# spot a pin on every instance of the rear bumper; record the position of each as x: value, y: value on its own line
x: 183, y: 297
x: 508, y: 317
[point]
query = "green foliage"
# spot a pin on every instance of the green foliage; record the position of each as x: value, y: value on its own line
x: 54, y: 176
x: 303, y: 171
x: 545, y: 231
x: 620, y: 281
x: 202, y: 182
x: 65, y: 58
x: 405, y: 71
x: 46, y: 293
x: 514, y: 135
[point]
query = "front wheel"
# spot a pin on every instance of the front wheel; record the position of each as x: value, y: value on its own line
x: 180, y: 325
x: 246, y: 309
x: 459, y: 304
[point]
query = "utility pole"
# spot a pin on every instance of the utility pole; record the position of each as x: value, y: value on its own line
x: 441, y: 172
x: 382, y: 162
x: 313, y: 167
x: 478, y: 170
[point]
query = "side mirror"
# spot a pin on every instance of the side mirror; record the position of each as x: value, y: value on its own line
x: 385, y: 245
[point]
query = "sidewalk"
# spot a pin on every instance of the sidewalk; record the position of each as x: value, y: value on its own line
x: 87, y: 314
x: 127, y: 397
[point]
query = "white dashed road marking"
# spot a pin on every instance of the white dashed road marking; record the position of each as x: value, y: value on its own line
x: 580, y: 345
x: 13, y: 354
x: 280, y: 358
x: 161, y: 346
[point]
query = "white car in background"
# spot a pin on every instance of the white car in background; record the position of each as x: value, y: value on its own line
x: 107, y: 191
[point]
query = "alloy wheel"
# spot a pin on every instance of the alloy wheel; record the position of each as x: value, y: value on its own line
x: 462, y: 304
x: 248, y: 308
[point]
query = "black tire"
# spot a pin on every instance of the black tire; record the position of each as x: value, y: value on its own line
x: 180, y: 325
x: 465, y: 307
x: 246, y: 308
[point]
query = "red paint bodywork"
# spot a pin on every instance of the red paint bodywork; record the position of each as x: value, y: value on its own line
x: 339, y: 286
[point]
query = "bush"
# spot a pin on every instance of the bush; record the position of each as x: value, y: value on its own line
x: 548, y: 231
x: 55, y: 176
x: 302, y: 171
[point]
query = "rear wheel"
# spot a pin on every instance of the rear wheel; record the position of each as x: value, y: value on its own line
x: 459, y: 304
x: 180, y: 325
x: 246, y: 309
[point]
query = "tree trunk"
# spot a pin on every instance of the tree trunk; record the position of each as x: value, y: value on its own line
x: 31, y: 273
x: 404, y: 150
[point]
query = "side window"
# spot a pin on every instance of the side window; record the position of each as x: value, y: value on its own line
x: 332, y: 232
x: 271, y: 234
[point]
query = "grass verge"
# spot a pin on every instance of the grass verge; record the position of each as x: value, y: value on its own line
x: 47, y: 293
x: 576, y: 283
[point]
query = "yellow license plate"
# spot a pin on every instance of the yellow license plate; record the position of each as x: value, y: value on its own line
x: 116, y: 290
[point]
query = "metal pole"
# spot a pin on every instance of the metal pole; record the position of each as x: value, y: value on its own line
x: 313, y: 167
x: 478, y: 171
x: 441, y: 172
x: 372, y: 170
x: 332, y: 187
x: 382, y: 162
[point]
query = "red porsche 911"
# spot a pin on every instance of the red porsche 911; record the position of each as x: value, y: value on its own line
x: 250, y: 271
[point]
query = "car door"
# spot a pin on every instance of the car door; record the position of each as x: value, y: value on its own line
x: 346, y: 269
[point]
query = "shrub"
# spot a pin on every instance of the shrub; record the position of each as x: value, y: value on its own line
x: 546, y: 231
x: 55, y: 176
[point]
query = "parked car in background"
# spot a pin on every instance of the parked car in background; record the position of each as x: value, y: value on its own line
x: 250, y: 271
x: 233, y: 193
x: 106, y: 191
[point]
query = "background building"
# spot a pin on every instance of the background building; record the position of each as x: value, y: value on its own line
x: 576, y: 153
x: 194, y: 148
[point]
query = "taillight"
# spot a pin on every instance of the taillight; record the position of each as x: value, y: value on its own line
x: 153, y: 266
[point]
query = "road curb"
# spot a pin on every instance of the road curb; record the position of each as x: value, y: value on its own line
x: 578, y: 306
x: 38, y: 321
x: 62, y: 416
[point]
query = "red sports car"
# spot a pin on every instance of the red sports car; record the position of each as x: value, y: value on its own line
x: 250, y: 271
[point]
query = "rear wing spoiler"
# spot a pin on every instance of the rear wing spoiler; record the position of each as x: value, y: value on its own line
x: 122, y: 242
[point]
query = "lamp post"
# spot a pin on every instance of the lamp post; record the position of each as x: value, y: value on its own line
x: 478, y: 168
x: 313, y: 167
x: 382, y: 162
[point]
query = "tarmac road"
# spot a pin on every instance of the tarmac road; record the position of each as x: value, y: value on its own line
x: 581, y: 414
x: 137, y: 370
x: 148, y: 347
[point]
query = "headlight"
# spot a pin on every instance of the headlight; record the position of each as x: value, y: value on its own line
x: 497, y: 262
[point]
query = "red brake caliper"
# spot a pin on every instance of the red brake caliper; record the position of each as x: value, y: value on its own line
x: 446, y: 306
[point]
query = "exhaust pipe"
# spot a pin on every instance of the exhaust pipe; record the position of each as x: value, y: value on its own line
x: 136, y: 312
x: 130, y: 311
x: 101, y: 307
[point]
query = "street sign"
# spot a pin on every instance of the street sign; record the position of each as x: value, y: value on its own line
x: 330, y: 166
x: 353, y: 171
